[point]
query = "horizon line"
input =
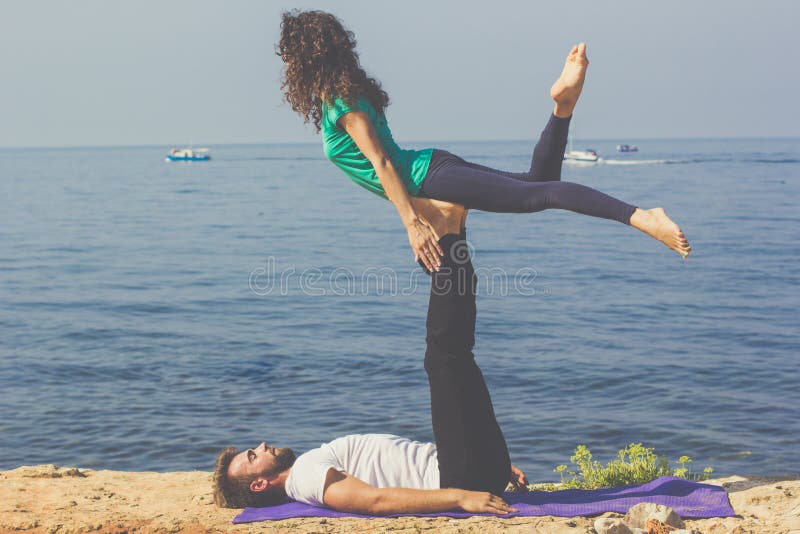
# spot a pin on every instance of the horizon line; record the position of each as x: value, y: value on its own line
x: 287, y: 143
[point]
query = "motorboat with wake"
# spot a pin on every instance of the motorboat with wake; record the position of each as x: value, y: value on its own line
x: 588, y: 156
x: 582, y: 156
x: 188, y: 154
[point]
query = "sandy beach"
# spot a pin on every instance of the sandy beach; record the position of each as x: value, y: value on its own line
x: 47, y: 498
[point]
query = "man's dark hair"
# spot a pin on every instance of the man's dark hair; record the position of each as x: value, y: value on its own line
x: 235, y: 492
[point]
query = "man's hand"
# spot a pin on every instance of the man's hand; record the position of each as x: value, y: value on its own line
x: 482, y: 502
x: 518, y: 479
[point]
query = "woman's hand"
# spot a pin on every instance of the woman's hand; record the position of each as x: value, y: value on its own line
x: 480, y: 502
x: 518, y: 479
x: 425, y: 242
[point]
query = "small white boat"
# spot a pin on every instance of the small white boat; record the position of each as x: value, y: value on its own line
x: 587, y: 155
x: 583, y: 156
x: 188, y: 154
x: 627, y: 148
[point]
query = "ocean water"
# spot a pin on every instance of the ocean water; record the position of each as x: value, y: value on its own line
x: 152, y: 312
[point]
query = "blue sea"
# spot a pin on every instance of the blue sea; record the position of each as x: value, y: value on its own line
x: 152, y: 313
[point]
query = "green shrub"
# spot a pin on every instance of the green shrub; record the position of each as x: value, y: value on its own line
x: 635, y: 464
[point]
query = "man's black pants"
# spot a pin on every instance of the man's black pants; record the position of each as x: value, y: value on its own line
x: 471, y: 448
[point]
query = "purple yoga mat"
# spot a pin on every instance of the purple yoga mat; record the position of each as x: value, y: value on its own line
x: 688, y: 499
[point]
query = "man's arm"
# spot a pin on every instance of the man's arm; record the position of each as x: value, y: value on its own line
x: 346, y: 493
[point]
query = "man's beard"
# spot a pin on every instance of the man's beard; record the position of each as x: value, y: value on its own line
x: 283, y: 461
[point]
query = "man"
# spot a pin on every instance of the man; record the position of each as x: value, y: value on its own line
x: 380, y: 474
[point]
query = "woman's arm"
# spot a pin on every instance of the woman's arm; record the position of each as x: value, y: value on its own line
x: 421, y: 234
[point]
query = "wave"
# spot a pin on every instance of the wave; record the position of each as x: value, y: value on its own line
x: 710, y: 159
x: 274, y: 158
x: 785, y: 160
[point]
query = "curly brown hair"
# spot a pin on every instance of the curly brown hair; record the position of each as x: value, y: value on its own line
x: 235, y: 492
x: 321, y: 62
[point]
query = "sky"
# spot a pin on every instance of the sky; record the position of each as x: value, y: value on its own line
x: 147, y: 72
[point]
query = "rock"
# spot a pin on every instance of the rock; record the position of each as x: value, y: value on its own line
x: 654, y: 526
x: 638, y: 515
x: 657, y: 527
x: 610, y: 525
x: 49, y: 471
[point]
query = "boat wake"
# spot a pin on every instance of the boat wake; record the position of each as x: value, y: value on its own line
x: 640, y: 161
x: 582, y: 163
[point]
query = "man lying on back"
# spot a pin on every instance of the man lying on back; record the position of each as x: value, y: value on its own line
x: 373, y: 474
x: 379, y: 474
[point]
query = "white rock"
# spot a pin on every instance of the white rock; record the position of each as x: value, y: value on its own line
x: 610, y: 525
x: 638, y: 515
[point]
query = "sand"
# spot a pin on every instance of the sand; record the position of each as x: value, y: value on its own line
x: 47, y: 498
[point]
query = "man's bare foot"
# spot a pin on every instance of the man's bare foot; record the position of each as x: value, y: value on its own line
x: 567, y: 88
x: 658, y: 225
x: 444, y: 217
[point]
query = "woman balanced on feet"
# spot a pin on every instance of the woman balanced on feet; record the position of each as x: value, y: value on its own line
x: 324, y: 82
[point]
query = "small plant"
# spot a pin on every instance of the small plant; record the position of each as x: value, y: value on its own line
x: 635, y: 464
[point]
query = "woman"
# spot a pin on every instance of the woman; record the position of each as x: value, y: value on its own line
x: 325, y: 83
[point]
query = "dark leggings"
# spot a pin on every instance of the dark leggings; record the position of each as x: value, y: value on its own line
x: 451, y: 178
x: 471, y: 448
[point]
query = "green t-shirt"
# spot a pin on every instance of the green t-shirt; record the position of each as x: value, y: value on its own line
x: 340, y: 148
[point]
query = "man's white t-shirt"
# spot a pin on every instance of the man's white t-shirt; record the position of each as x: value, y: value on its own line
x: 381, y: 460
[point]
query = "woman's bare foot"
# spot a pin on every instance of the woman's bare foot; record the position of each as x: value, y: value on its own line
x: 658, y: 225
x: 567, y: 88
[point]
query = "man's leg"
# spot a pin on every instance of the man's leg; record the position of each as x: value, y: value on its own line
x: 471, y: 448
